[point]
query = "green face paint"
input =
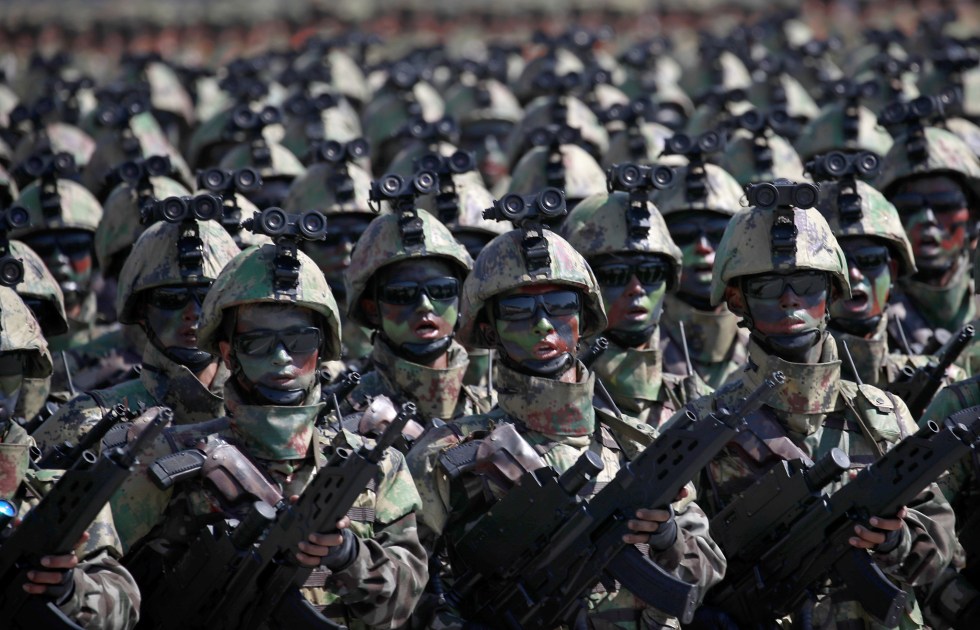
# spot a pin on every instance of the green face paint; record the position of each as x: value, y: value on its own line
x: 870, y: 274
x: 698, y: 234
x: 279, y: 370
x: 633, y: 288
x: 541, y: 337
x: 426, y: 319
x: 176, y: 327
x: 332, y: 255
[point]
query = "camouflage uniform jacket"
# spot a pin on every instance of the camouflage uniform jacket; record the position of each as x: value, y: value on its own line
x: 560, y: 422
x: 814, y: 412
x: 378, y: 589
x: 438, y: 393
x: 923, y: 335
x: 717, y: 346
x: 105, y: 595
x: 639, y: 385
x: 879, y: 367
x: 161, y: 382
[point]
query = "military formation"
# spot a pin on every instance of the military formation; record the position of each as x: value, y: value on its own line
x: 652, y: 319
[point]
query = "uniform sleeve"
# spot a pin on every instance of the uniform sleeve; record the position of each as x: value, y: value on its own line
x: 383, y: 584
x: 431, y: 482
x: 69, y: 422
x: 928, y: 540
x: 694, y: 557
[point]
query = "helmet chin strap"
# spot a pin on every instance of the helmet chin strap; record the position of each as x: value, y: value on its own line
x: 631, y: 338
x: 255, y: 394
x: 423, y: 353
x: 194, y: 359
x: 545, y: 368
x: 856, y: 327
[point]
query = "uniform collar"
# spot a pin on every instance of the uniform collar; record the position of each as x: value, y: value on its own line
x: 546, y: 405
x: 434, y: 390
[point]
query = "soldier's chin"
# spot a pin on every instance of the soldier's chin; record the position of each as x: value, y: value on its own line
x: 793, y: 347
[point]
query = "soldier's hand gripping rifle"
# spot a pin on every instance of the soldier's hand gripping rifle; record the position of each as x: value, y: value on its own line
x: 550, y: 548
x: 230, y: 579
x: 65, y: 455
x: 917, y: 387
x: 797, y: 535
x: 56, y: 524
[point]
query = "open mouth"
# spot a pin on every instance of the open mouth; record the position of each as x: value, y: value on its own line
x: 858, y: 302
x: 545, y: 350
x: 426, y: 329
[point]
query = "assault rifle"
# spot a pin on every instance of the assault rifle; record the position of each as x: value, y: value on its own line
x: 550, y: 547
x: 917, y: 387
x: 65, y: 455
x: 784, y: 536
x: 234, y: 578
x: 56, y: 524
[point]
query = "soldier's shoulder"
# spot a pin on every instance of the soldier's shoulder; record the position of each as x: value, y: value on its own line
x: 885, y: 414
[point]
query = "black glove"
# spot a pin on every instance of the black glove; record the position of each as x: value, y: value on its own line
x: 343, y: 556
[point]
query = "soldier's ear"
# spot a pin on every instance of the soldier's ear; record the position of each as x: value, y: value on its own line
x: 735, y: 300
x: 489, y: 334
x: 224, y: 348
x: 369, y: 307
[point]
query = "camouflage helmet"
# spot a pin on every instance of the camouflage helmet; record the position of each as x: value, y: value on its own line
x: 877, y: 219
x: 388, y: 113
x: 155, y: 262
x: 501, y: 267
x: 58, y: 137
x: 746, y: 249
x: 562, y: 63
x: 315, y: 190
x: 944, y: 153
x: 967, y: 131
x: 723, y: 193
x: 654, y: 137
x: 120, y: 225
x: 472, y: 199
x: 249, y: 279
x: 381, y: 245
x: 798, y: 102
x: 282, y: 163
x: 20, y: 332
x: 78, y: 209
x: 167, y: 94
x: 339, y: 122
x: 487, y: 100
x: 540, y: 112
x: 583, y: 175
x: 598, y: 225
x: 739, y: 159
x: 40, y: 291
x: 827, y: 132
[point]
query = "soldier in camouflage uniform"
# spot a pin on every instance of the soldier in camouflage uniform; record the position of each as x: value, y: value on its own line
x: 162, y: 288
x: 634, y: 274
x: 88, y: 585
x: 935, y: 191
x: 372, y: 568
x: 782, y: 295
x: 534, y: 317
x: 878, y: 253
x: 696, y: 209
x: 409, y: 295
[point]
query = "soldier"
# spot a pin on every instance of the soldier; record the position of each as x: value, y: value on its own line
x: 697, y: 208
x: 780, y: 282
x: 162, y: 288
x: 406, y: 288
x: 533, y: 310
x: 270, y: 332
x: 933, y: 180
x: 88, y: 585
x: 637, y: 265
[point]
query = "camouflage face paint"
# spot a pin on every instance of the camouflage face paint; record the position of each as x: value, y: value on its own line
x: 698, y: 235
x: 11, y: 379
x: 634, y: 306
x: 426, y: 319
x: 176, y: 327
x: 69, y: 257
x: 541, y: 337
x: 935, y: 216
x: 332, y: 255
x: 280, y: 370
x: 788, y: 314
x: 871, y: 278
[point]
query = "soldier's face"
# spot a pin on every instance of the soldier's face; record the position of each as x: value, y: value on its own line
x: 787, y: 304
x: 538, y: 322
x: 871, y: 269
x: 332, y: 255
x: 936, y: 217
x: 275, y: 346
x: 69, y: 256
x: 173, y: 313
x: 418, y: 301
x: 633, y: 288
x: 11, y: 379
x: 698, y: 234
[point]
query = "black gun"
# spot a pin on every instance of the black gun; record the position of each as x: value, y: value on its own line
x: 917, y: 387
x: 230, y: 579
x: 57, y: 523
x: 783, y: 536
x: 550, y: 547
x: 65, y: 455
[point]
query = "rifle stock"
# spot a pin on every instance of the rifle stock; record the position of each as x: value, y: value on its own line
x: 56, y: 524
x: 551, y: 547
